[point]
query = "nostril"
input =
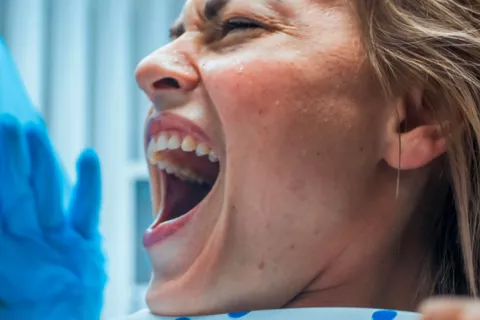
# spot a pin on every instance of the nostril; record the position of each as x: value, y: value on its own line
x: 166, y: 83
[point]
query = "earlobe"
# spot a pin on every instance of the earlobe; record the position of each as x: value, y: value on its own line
x: 416, y: 148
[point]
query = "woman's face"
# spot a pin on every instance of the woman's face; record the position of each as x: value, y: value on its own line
x: 282, y: 93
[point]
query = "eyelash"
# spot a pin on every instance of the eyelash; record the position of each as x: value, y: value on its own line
x: 239, y: 25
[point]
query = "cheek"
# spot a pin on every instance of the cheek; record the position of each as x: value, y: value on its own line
x: 300, y: 135
x: 247, y: 88
x: 291, y: 108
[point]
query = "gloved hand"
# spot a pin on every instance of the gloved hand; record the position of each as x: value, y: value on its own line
x: 51, y: 264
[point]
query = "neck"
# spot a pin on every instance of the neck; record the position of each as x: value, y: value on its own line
x: 397, y: 280
x: 393, y: 275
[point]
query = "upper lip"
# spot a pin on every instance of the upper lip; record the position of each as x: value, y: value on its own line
x: 165, y: 121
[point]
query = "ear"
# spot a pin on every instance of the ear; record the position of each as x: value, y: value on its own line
x: 414, y: 138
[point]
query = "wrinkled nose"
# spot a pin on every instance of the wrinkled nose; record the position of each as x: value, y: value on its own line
x: 164, y: 73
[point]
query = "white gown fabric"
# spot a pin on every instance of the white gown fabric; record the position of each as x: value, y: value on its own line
x: 295, y: 314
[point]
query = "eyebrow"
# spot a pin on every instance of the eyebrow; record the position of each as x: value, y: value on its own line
x: 213, y: 8
x: 211, y: 11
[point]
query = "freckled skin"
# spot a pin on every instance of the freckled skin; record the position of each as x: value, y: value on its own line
x: 299, y: 119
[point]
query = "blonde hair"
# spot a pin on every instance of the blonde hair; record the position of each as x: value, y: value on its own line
x: 435, y: 44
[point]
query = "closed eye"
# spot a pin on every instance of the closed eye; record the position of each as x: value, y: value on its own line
x: 239, y: 24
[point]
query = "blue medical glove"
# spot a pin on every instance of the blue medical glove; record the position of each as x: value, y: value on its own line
x: 51, y: 264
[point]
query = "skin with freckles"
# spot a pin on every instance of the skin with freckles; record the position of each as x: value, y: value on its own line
x: 306, y: 210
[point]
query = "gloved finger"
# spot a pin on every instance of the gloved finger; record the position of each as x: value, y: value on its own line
x: 16, y: 160
x: 86, y: 198
x: 17, y: 207
x: 45, y: 179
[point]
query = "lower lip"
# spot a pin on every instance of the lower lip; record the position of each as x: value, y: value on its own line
x: 160, y: 232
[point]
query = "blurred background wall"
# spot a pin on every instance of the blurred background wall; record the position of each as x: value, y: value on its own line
x: 78, y: 58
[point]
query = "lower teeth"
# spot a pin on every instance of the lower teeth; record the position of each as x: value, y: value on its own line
x: 183, y: 175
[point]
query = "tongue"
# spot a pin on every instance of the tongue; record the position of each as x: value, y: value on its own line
x: 181, y: 197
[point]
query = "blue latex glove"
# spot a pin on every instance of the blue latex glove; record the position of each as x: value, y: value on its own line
x: 51, y: 265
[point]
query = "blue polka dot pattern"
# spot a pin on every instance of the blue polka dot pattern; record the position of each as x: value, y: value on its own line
x: 384, y: 315
x: 236, y: 315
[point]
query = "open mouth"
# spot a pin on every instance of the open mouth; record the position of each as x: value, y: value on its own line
x: 188, y: 168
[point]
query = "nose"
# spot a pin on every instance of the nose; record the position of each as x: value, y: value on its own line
x: 165, y: 73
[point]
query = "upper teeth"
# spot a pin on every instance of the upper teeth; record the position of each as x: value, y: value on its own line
x: 202, y: 149
x: 173, y: 141
x: 189, y: 144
